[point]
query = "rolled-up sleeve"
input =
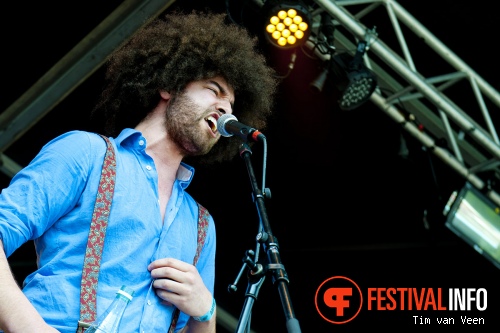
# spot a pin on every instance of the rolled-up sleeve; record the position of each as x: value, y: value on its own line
x: 45, y: 190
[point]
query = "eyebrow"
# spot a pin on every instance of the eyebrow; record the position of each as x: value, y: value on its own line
x: 222, y: 90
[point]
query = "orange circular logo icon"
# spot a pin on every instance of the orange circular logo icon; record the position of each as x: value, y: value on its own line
x: 338, y: 300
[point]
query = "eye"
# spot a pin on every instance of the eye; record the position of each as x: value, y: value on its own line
x: 215, y: 91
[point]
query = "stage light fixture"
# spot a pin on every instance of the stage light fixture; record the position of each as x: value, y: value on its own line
x: 287, y: 23
x: 358, y: 82
x: 351, y: 77
x: 318, y: 83
x: 476, y: 219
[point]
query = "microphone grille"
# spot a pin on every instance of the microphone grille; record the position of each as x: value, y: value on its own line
x: 221, y: 124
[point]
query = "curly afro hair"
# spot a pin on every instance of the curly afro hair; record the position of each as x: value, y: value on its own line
x: 176, y: 49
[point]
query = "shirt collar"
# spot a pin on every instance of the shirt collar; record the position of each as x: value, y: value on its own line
x: 129, y: 136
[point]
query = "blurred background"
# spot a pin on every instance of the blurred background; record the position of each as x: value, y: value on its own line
x: 356, y: 192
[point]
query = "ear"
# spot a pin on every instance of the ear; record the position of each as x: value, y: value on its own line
x: 165, y: 95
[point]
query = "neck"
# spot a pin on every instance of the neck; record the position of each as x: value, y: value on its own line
x: 165, y: 153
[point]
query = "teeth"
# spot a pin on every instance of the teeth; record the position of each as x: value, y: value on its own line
x: 212, y: 122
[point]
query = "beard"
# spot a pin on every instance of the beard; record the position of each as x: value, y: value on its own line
x: 182, y: 121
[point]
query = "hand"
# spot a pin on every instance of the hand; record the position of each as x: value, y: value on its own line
x: 179, y: 283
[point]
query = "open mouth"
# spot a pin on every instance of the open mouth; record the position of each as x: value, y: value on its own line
x: 212, y: 123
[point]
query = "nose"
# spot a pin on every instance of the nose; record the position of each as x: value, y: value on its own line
x: 224, y: 107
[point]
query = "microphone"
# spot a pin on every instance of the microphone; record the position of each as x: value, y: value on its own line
x: 228, y: 125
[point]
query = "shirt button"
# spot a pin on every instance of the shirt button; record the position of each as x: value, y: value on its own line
x: 148, y: 167
x: 149, y: 302
x: 141, y: 142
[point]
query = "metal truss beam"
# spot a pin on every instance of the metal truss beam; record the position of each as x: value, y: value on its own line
x: 472, y: 137
x: 74, y: 68
x: 423, y: 104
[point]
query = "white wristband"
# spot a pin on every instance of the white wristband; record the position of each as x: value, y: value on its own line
x: 207, y: 316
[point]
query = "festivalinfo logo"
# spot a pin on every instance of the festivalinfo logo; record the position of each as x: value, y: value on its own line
x: 339, y: 300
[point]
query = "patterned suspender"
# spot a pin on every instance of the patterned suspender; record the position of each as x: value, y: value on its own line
x: 95, y: 242
x: 202, y: 233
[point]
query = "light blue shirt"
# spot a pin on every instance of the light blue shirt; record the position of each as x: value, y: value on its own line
x: 51, y: 202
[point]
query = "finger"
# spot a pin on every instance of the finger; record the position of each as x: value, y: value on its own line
x: 166, y: 298
x: 168, y: 290
x: 166, y: 284
x: 168, y: 273
x: 168, y: 262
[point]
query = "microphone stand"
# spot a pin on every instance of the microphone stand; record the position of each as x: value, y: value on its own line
x: 257, y: 271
